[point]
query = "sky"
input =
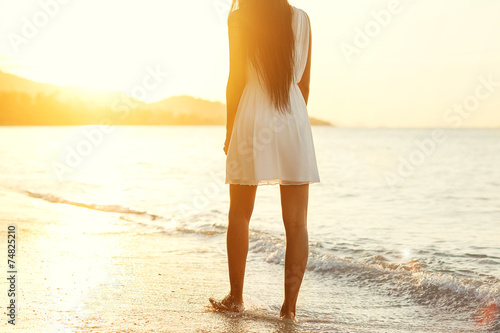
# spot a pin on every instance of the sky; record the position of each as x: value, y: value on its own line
x: 375, y: 63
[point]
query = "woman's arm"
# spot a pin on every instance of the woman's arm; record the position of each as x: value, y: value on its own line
x: 237, y: 72
x: 306, y: 77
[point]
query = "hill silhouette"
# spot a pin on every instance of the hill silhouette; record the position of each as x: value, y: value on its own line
x: 26, y: 102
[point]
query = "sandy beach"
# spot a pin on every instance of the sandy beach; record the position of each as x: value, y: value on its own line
x: 98, y: 278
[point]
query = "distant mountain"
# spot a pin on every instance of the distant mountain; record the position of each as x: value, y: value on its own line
x: 188, y: 107
x: 11, y: 83
x: 319, y: 122
x: 25, y: 102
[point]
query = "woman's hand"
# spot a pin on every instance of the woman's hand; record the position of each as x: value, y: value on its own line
x: 226, y: 146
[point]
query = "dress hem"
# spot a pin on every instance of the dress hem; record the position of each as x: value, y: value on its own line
x: 270, y: 182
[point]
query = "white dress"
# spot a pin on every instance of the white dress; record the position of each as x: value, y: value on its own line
x: 267, y: 147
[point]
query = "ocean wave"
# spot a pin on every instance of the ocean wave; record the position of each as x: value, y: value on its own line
x: 409, y: 279
x: 104, y: 208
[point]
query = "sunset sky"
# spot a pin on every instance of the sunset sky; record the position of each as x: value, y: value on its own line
x: 422, y: 64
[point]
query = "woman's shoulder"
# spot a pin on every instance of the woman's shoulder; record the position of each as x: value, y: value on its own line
x: 301, y: 11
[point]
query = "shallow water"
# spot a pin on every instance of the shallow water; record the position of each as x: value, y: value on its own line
x: 404, y: 231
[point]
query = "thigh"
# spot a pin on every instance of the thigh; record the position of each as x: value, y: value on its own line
x: 294, y: 201
x: 242, y: 199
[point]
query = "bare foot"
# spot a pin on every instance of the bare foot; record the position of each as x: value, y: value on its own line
x: 289, y: 315
x: 227, y: 304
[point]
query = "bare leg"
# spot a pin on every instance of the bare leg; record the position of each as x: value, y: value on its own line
x: 242, y: 198
x: 294, y: 201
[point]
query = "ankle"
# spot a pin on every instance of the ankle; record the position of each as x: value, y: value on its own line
x: 235, y: 299
x: 287, y: 310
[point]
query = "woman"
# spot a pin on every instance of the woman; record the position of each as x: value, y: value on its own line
x: 268, y: 139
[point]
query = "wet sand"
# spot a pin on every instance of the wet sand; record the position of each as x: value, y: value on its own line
x: 87, y: 271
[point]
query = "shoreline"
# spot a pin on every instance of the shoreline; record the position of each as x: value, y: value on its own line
x: 111, y: 276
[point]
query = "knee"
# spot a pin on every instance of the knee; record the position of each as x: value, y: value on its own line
x: 295, y: 225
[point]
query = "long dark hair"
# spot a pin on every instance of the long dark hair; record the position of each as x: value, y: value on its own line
x: 270, y: 45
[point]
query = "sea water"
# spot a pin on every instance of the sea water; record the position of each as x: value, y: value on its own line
x: 404, y: 226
